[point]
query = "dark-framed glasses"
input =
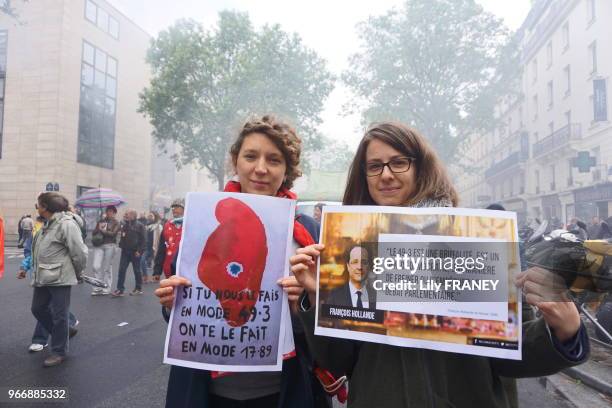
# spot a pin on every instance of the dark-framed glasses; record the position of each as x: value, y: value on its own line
x: 397, y: 165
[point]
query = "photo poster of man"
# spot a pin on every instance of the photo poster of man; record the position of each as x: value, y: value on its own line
x: 234, y: 317
x: 433, y: 278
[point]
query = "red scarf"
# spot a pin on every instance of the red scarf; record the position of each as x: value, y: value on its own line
x: 300, y: 233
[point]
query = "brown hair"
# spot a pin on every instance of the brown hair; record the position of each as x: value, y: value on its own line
x: 282, y: 135
x: 432, y: 181
x: 53, y: 202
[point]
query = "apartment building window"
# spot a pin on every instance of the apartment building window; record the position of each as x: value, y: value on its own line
x: 593, y: 57
x: 534, y: 70
x: 3, y: 49
x: 568, y: 80
x: 96, y: 143
x: 535, y: 107
x: 549, y: 91
x: 549, y: 54
x: 591, y: 11
x: 568, y: 118
x: 565, y: 36
x: 101, y: 18
x: 537, y: 180
x: 553, y: 183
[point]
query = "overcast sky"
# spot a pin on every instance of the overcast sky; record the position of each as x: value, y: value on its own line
x: 327, y: 26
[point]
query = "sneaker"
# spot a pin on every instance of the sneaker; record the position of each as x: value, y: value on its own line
x: 136, y: 292
x: 72, y: 332
x: 53, y: 360
x: 97, y: 293
x: 36, y: 347
x: 117, y: 293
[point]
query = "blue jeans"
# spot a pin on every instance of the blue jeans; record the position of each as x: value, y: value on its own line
x: 144, y: 262
x: 51, y: 306
x: 41, y: 335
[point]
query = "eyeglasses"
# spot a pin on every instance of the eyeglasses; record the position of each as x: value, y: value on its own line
x: 397, y: 165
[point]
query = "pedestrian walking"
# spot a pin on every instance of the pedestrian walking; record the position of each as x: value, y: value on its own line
x: 58, y: 258
x: 132, y: 243
x: 104, y: 241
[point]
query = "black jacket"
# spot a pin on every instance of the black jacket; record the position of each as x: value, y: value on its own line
x: 132, y: 236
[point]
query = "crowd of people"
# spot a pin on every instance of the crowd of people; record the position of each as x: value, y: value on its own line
x: 394, y: 166
x: 56, y: 254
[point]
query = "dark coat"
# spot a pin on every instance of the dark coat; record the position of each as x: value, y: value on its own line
x: 188, y: 387
x: 385, y: 376
x: 342, y: 297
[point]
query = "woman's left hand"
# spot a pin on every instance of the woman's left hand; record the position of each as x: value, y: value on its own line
x: 547, y: 291
x: 292, y: 287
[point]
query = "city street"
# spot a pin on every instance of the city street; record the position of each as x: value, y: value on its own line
x: 111, y: 365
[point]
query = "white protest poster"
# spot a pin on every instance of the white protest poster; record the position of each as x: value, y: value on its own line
x: 433, y: 278
x: 234, y: 317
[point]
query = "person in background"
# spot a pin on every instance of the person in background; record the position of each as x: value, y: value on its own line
x: 104, y: 239
x: 576, y: 228
x: 79, y: 220
x: 132, y: 244
x: 170, y: 240
x: 594, y: 227
x: 20, y: 232
x: 27, y: 225
x: 59, y: 257
x: 154, y: 228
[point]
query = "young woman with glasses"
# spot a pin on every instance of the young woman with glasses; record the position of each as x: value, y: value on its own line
x: 395, y: 166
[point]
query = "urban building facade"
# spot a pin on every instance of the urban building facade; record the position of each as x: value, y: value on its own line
x: 551, y: 155
x: 70, y: 75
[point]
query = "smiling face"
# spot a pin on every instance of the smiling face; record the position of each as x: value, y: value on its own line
x: 357, y: 266
x: 389, y: 188
x: 260, y: 165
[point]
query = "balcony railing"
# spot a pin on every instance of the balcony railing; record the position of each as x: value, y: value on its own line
x: 512, y: 160
x: 557, y: 139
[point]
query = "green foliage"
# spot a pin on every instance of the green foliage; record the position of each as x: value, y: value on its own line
x: 206, y: 83
x: 335, y: 156
x: 437, y: 65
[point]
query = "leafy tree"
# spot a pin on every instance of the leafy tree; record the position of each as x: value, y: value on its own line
x: 438, y: 65
x: 206, y: 83
x: 336, y: 156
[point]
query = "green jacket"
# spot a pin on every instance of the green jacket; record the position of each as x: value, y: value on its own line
x: 58, y: 252
x: 384, y: 376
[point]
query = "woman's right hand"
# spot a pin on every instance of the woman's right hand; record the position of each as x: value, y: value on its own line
x: 166, y: 291
x: 304, y: 267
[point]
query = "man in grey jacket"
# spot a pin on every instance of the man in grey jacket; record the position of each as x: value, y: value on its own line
x: 58, y: 258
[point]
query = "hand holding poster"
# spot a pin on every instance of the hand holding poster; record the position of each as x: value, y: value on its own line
x: 234, y: 317
x: 434, y: 278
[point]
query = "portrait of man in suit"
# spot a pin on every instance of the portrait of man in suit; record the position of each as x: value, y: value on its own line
x: 355, y: 291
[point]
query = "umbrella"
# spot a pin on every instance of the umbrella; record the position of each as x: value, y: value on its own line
x: 99, y: 198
